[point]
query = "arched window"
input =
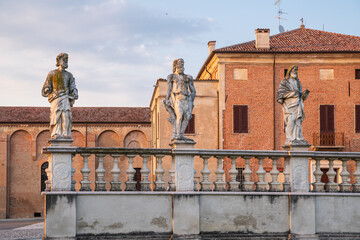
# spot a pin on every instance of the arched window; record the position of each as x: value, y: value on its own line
x: 44, y: 177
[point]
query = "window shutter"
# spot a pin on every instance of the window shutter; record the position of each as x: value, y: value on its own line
x: 330, y: 117
x: 357, y: 118
x: 191, y: 125
x: 327, y: 121
x: 236, y: 113
x: 244, y: 119
x: 240, y: 115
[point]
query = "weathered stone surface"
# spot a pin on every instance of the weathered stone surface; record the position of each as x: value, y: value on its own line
x: 179, y: 101
x: 186, y: 214
x: 61, y: 91
x: 291, y: 97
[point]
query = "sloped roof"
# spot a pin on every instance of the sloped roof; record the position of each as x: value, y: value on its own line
x: 79, y: 114
x: 301, y: 40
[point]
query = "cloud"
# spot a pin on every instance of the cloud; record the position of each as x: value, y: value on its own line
x: 116, y: 48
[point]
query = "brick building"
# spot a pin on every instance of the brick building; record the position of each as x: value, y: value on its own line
x: 24, y: 131
x: 242, y: 113
x: 249, y: 75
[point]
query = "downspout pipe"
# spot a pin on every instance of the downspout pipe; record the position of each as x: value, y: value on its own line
x: 274, y: 102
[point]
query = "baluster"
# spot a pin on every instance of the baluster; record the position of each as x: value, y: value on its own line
x: 145, y: 183
x: 195, y: 182
x: 220, y: 184
x: 356, y: 185
x: 233, y: 172
x: 85, y: 171
x: 331, y: 186
x: 48, y: 173
x: 205, y: 184
x: 261, y: 185
x: 100, y: 172
x: 286, y: 183
x: 247, y: 185
x: 318, y: 186
x: 275, y: 184
x: 159, y: 183
x: 73, y: 182
x: 172, y: 186
x: 130, y: 183
x: 344, y: 186
x: 115, y: 171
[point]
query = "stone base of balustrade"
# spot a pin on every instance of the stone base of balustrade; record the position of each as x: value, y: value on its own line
x: 220, y: 186
x: 115, y: 186
x: 345, y: 187
x: 331, y: 187
x: 234, y: 186
x: 145, y: 186
x: 261, y: 186
x: 286, y: 187
x: 318, y: 187
x: 130, y: 186
x: 85, y: 188
x: 100, y: 186
x: 275, y: 187
x: 247, y: 186
x: 159, y: 186
x: 206, y: 186
x: 356, y: 187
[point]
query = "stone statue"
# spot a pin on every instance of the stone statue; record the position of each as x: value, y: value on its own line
x: 61, y: 91
x: 179, y: 100
x: 291, y: 97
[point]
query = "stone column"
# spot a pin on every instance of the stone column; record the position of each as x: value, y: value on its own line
x: 299, y: 168
x: 184, y: 166
x: 60, y: 165
x: 302, y: 212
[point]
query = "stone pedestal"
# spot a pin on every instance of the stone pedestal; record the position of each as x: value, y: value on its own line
x: 299, y: 168
x: 184, y: 166
x: 60, y: 166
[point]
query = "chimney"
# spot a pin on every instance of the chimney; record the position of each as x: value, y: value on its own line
x: 211, y: 46
x: 262, y: 38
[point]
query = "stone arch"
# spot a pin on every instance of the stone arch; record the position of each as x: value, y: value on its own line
x: 78, y: 163
x: 135, y: 137
x: 109, y: 138
x: 42, y: 140
x: 24, y: 177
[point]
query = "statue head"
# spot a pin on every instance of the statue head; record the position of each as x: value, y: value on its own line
x: 62, y: 60
x: 292, y: 72
x: 178, y: 65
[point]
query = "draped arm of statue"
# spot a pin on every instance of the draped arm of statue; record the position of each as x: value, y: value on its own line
x: 179, y: 100
x: 60, y: 89
x: 291, y: 97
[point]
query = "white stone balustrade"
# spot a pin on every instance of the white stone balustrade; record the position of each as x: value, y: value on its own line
x: 210, y: 178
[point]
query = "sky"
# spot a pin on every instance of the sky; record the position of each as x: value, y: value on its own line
x: 119, y: 48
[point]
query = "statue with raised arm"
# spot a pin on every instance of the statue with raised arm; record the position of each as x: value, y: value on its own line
x: 61, y: 91
x: 291, y: 97
x: 179, y: 100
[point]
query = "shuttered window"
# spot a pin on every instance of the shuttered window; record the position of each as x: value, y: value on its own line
x: 327, y: 120
x: 191, y: 125
x: 240, y: 115
x: 357, y: 118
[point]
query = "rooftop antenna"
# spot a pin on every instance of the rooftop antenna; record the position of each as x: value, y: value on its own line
x: 280, y: 12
